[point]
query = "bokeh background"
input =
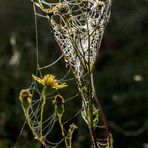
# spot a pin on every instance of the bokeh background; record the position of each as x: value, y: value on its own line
x: 121, y: 74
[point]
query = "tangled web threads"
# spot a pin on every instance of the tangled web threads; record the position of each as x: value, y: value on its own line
x: 78, y: 27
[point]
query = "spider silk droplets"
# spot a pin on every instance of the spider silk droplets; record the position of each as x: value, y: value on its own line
x: 78, y: 27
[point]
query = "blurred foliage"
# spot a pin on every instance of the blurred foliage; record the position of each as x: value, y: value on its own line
x: 121, y: 74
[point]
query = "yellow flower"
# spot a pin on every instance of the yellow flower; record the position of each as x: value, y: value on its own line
x: 49, y: 80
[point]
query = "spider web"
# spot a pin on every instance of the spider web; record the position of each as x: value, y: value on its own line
x: 34, y: 110
x: 78, y: 27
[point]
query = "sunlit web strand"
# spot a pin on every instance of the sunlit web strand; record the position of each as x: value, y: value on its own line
x: 54, y: 144
x: 76, y: 114
x: 50, y: 124
x: 44, y: 67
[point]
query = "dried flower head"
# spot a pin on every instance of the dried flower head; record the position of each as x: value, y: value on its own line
x: 25, y: 94
x: 25, y: 98
x: 72, y: 127
x: 99, y: 4
x: 62, y: 8
x: 58, y: 100
x: 50, y: 11
x: 59, y: 105
x: 95, y: 24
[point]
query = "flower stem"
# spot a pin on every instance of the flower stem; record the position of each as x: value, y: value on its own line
x: 41, y: 117
x: 62, y: 130
x: 26, y: 112
x: 91, y: 125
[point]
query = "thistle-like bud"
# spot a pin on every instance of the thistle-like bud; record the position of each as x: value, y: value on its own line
x: 25, y: 98
x: 59, y: 105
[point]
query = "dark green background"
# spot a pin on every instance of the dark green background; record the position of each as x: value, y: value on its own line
x: 123, y: 54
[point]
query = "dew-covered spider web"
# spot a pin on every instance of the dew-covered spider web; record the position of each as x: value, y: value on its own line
x: 78, y: 27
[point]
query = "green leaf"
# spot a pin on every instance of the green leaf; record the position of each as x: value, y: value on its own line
x: 95, y: 117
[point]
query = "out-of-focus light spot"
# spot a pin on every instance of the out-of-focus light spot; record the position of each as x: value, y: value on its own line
x: 115, y: 97
x: 138, y: 78
x: 15, y: 59
x: 145, y: 145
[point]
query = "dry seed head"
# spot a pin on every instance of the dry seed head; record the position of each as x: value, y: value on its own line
x: 73, y: 126
x: 95, y: 24
x: 25, y: 95
x: 62, y: 8
x: 99, y: 5
x: 25, y: 98
x: 58, y: 100
x: 50, y: 11
x: 77, y: 32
